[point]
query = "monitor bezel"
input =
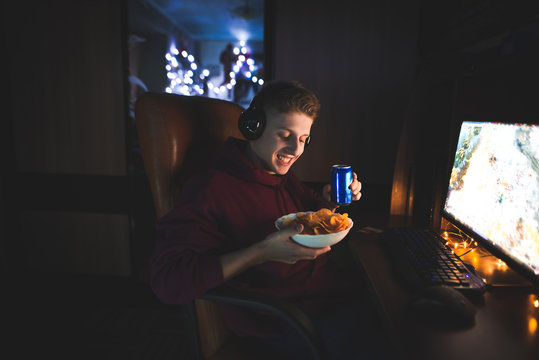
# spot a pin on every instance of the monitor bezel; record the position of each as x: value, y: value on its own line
x: 514, y: 263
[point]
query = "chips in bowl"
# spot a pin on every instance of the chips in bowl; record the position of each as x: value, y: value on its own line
x: 321, y: 228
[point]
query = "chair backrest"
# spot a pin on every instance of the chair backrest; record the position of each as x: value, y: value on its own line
x: 178, y: 136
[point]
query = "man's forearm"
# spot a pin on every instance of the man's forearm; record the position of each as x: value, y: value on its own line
x: 235, y: 262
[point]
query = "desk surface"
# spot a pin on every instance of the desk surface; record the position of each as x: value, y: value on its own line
x: 506, y: 325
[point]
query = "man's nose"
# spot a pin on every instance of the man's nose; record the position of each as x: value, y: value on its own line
x: 296, y: 146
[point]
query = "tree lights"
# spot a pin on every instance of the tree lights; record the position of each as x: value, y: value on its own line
x: 187, y: 78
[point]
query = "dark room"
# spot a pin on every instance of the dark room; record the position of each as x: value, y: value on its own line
x: 270, y: 179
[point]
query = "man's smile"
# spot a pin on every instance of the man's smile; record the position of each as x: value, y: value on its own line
x: 285, y: 159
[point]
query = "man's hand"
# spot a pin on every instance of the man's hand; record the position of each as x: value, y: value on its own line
x: 280, y: 247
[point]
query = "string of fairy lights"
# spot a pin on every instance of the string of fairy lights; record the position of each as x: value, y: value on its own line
x: 186, y: 77
x: 458, y: 239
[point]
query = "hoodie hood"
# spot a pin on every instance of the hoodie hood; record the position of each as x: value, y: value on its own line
x: 232, y: 159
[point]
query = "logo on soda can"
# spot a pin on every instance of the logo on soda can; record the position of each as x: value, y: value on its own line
x: 341, y: 178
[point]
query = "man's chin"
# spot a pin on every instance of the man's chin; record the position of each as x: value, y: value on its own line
x: 282, y: 170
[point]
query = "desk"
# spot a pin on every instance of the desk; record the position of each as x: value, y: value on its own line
x: 506, y: 320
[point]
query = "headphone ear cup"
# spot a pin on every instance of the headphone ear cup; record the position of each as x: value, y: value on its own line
x: 252, y: 123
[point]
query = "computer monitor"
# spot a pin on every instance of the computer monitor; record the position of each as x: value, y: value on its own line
x: 493, y: 191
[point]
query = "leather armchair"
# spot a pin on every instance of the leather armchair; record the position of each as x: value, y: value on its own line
x: 178, y: 136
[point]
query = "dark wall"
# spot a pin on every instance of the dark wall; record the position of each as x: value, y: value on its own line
x: 360, y: 58
x: 66, y: 206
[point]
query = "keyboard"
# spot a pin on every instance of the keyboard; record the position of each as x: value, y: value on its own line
x: 422, y: 257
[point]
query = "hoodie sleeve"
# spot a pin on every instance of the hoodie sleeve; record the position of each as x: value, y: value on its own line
x: 185, y: 262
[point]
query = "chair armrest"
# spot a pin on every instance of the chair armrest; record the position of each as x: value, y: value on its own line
x: 276, y: 306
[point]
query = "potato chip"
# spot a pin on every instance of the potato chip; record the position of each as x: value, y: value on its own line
x: 322, y: 222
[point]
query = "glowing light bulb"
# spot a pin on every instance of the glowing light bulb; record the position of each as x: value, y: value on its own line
x: 206, y: 72
x: 536, y: 304
x: 191, y: 58
x: 236, y: 51
x: 194, y: 66
x: 184, y: 54
x: 532, y: 325
x: 260, y: 82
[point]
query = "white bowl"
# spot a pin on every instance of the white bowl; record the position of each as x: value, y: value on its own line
x: 313, y: 241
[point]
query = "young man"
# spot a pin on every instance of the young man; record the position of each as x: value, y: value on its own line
x: 223, y: 227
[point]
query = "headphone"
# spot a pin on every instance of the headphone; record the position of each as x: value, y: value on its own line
x: 252, y: 121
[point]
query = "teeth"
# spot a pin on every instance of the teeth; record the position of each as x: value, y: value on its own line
x: 284, y: 159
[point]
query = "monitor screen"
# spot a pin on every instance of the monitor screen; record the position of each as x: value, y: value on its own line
x: 493, y: 190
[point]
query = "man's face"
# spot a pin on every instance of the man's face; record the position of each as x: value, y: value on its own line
x: 282, y: 141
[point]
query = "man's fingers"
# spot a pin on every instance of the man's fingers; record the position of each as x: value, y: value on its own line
x: 293, y: 230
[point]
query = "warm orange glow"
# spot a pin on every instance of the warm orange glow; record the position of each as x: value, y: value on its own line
x: 534, y: 301
x: 532, y: 325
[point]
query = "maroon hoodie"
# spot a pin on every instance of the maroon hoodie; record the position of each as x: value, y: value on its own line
x: 229, y: 207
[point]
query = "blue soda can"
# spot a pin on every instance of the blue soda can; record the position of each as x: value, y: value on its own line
x: 341, y: 178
